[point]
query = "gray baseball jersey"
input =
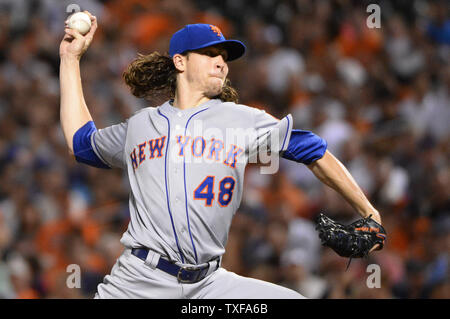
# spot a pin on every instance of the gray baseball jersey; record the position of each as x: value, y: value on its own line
x: 186, y: 172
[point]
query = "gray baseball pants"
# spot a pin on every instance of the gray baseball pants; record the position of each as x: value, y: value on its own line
x: 132, y: 278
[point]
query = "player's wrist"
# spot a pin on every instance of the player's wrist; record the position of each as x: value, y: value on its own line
x: 70, y: 58
x: 372, y: 213
x: 375, y: 215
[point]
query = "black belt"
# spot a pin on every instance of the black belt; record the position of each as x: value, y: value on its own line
x: 183, y: 274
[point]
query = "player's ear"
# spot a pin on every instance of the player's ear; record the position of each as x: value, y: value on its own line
x: 180, y: 62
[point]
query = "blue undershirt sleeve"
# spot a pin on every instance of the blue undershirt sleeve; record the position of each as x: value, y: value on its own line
x: 304, y: 147
x: 82, y: 146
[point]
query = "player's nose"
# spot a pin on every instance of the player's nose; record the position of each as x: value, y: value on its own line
x: 219, y: 62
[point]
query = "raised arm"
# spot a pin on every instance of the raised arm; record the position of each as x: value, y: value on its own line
x: 333, y: 173
x: 74, y: 112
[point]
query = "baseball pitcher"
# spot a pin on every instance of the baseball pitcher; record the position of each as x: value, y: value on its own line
x: 185, y: 161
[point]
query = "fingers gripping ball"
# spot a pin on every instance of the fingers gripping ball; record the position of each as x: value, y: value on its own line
x: 354, y: 240
x: 79, y: 21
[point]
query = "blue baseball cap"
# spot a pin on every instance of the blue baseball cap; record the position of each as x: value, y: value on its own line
x: 198, y: 36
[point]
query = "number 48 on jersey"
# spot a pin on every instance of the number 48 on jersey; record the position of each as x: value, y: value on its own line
x: 205, y: 191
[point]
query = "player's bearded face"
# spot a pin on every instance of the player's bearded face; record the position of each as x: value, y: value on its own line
x: 206, y: 70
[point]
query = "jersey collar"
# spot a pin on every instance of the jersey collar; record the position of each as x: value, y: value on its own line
x: 168, y: 108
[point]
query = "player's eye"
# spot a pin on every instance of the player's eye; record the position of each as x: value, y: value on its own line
x: 211, y: 53
x: 214, y: 53
x: 224, y: 55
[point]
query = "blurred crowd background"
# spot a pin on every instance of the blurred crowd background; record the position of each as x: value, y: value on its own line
x: 380, y: 97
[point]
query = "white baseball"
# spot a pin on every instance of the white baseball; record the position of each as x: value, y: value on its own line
x: 80, y: 21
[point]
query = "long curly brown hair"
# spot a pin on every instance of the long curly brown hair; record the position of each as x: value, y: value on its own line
x: 154, y: 76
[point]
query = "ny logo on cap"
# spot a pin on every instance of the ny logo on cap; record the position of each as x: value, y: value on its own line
x: 216, y: 30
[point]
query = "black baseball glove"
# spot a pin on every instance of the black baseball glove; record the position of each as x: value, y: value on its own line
x: 354, y: 240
